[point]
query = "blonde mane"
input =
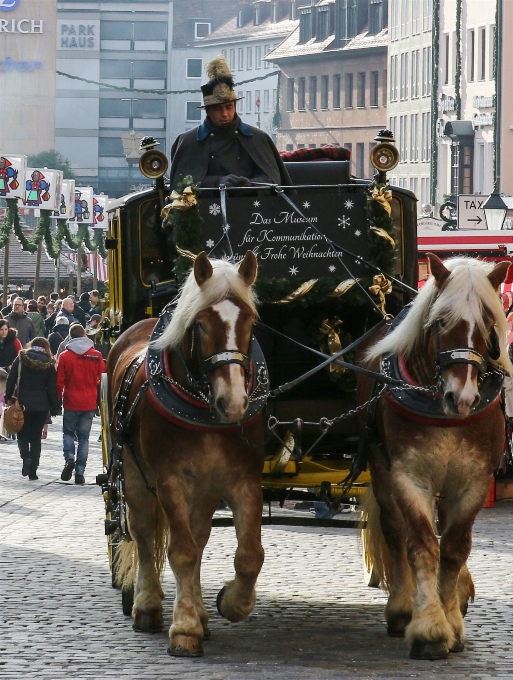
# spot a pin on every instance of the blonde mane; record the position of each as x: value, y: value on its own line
x: 224, y: 282
x: 465, y: 296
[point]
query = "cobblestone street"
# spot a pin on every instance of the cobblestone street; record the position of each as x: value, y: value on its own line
x: 314, y: 617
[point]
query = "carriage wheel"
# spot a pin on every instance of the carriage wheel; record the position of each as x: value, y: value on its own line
x: 370, y: 577
x: 113, y: 548
x: 127, y: 601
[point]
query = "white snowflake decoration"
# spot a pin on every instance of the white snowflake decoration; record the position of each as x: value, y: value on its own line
x: 306, y: 204
x: 227, y: 228
x: 349, y: 204
x: 344, y: 221
x: 293, y: 271
x: 214, y: 209
x: 210, y: 243
x: 257, y: 204
x: 332, y: 268
x: 357, y: 232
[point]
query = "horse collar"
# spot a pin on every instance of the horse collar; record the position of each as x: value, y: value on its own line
x: 192, y: 410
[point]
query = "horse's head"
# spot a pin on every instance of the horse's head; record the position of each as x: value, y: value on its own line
x: 464, y: 337
x: 222, y: 337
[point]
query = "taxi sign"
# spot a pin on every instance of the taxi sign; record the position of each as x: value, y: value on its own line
x: 470, y: 212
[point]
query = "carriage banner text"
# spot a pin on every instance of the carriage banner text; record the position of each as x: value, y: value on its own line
x: 285, y: 244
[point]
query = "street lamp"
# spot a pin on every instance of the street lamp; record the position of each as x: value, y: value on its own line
x: 495, y: 211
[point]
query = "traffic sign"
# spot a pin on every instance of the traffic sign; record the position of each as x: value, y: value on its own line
x: 470, y: 212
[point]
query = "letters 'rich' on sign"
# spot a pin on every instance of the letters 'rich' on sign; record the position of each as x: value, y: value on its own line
x: 287, y: 244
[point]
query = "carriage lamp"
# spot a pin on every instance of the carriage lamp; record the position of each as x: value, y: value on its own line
x: 495, y: 211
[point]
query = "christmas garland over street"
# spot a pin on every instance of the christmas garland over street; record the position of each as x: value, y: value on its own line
x: 43, y: 231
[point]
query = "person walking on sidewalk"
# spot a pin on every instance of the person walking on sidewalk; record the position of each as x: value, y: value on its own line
x: 78, y: 375
x: 37, y: 394
x: 19, y: 319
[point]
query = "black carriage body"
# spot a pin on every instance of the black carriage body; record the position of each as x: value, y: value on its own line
x: 141, y: 279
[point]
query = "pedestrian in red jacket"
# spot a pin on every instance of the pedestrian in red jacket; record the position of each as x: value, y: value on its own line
x: 78, y: 375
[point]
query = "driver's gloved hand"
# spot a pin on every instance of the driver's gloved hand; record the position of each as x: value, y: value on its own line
x: 234, y: 181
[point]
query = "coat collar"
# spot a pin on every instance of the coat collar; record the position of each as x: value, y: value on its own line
x: 205, y: 129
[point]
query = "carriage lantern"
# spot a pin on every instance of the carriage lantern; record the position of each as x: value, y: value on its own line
x: 384, y: 156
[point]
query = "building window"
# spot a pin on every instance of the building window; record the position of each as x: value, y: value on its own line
x: 305, y: 26
x: 232, y: 60
x: 492, y: 52
x: 202, y: 30
x: 360, y: 159
x: 258, y: 57
x: 267, y: 49
x: 394, y: 19
x: 482, y: 53
x: 471, y: 52
x: 414, y: 137
x: 414, y: 185
x: 258, y: 101
x: 301, y: 94
x: 336, y: 91
x: 192, y: 112
x: 393, y: 78
x: 375, y: 17
x: 111, y: 146
x: 426, y: 137
x: 427, y: 15
x: 347, y: 20
x: 415, y: 74
x: 289, y: 147
x: 224, y: 53
x: 313, y: 93
x: 374, y: 88
x: 404, y: 75
x: 266, y: 101
x: 240, y: 94
x: 360, y: 91
x: 249, y: 101
x: 405, y: 18
x: 427, y: 68
x: 424, y: 190
x: 275, y: 99
x: 393, y: 126
x: 415, y: 17
x: 385, y: 74
x: 325, y: 83
x: 403, y: 138
x: 349, y: 91
x: 194, y: 68
x: 249, y: 58
x: 290, y: 94
x: 323, y: 23
x: 447, y: 57
x: 240, y: 62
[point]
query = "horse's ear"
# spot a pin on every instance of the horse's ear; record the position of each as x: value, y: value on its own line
x: 438, y: 269
x: 248, y: 268
x: 202, y: 268
x: 498, y: 274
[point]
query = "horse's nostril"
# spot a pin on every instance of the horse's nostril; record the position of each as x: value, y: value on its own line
x: 221, y: 406
x: 246, y: 402
x: 476, y: 401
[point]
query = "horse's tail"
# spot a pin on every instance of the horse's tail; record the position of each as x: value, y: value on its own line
x: 128, y: 558
x: 373, y: 541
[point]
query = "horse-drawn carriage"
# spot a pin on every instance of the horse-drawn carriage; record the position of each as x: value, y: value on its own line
x: 209, y: 398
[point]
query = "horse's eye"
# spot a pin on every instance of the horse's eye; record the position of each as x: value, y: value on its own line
x: 442, y: 323
x: 201, y: 328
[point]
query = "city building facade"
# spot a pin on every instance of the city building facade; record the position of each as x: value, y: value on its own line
x: 441, y: 96
x: 333, y: 83
x: 27, y: 76
x: 245, y: 39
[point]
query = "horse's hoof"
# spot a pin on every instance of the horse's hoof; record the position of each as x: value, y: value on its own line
x: 430, y: 651
x: 148, y: 623
x: 219, y: 599
x: 185, y: 645
x: 458, y: 645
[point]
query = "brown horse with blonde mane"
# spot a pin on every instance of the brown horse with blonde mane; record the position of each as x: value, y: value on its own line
x: 176, y: 473
x: 436, y: 447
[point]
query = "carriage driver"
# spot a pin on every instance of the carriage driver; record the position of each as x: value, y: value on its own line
x: 223, y: 150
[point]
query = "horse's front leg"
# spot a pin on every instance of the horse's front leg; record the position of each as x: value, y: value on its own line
x: 429, y: 634
x: 237, y: 599
x: 186, y: 632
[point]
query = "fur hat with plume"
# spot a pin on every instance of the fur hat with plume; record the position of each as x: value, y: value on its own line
x: 219, y: 89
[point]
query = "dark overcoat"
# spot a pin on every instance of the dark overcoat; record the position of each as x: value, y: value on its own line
x: 38, y: 388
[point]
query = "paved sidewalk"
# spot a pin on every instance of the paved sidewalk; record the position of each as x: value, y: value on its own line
x: 314, y: 618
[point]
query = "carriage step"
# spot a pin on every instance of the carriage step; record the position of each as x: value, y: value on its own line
x: 102, y: 479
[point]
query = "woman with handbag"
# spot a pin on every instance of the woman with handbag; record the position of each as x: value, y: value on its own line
x: 9, y: 349
x: 32, y: 380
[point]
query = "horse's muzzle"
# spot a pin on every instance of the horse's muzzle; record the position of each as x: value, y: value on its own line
x: 458, y: 404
